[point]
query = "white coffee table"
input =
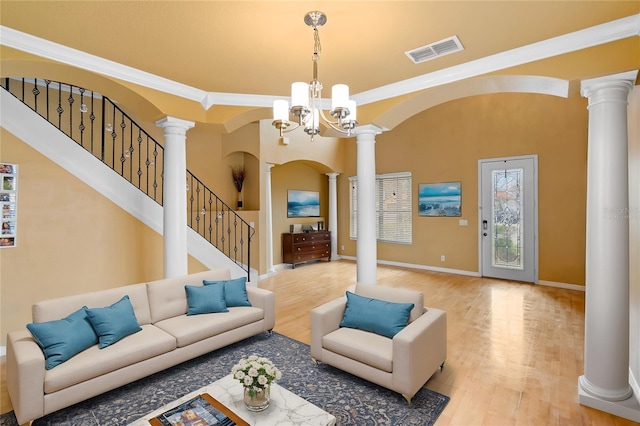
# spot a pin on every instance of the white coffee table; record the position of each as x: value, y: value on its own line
x: 286, y: 408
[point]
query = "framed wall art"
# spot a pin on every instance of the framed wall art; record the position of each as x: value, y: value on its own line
x: 440, y: 199
x: 303, y: 203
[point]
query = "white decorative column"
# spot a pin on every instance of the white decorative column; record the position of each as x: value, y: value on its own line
x: 333, y: 214
x: 175, y: 196
x: 268, y: 218
x: 605, y: 383
x: 367, y: 250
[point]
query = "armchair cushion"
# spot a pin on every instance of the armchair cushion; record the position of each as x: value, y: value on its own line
x: 357, y: 345
x: 376, y: 316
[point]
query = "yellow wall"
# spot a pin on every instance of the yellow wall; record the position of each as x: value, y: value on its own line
x: 70, y: 239
x: 445, y: 143
x: 300, y: 176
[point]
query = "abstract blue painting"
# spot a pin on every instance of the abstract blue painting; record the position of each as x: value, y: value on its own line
x: 440, y: 199
x: 303, y: 203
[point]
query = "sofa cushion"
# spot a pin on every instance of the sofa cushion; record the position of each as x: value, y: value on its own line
x: 95, y: 362
x: 357, y: 344
x: 114, y: 322
x: 60, y: 307
x: 394, y: 294
x: 194, y: 328
x: 374, y: 315
x: 235, y: 291
x: 167, y: 298
x: 205, y: 299
x: 62, y: 339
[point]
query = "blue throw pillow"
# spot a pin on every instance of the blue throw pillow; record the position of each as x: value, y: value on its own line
x: 377, y: 316
x: 235, y: 291
x: 206, y: 299
x: 62, y: 339
x: 114, y: 322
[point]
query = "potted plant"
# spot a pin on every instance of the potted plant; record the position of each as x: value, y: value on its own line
x: 256, y: 374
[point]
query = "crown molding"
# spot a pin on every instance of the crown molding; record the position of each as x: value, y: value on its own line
x: 582, y: 39
x: 77, y: 58
x: 578, y: 40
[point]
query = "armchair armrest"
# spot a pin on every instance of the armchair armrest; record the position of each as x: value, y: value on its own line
x: 325, y: 319
x: 25, y: 376
x: 418, y: 350
x: 266, y: 300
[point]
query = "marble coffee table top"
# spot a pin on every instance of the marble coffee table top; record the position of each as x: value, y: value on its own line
x: 285, y: 409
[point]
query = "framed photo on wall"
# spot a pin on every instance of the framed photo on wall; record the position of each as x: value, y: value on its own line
x: 440, y: 199
x: 303, y: 203
x: 9, y: 203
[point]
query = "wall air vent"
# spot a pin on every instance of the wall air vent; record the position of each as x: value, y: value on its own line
x: 435, y: 50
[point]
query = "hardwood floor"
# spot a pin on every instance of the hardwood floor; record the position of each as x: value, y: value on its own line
x: 515, y: 351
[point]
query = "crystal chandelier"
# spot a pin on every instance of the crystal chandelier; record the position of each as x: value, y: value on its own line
x: 306, y: 99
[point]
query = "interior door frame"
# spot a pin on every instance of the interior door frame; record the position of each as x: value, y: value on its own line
x: 536, y: 260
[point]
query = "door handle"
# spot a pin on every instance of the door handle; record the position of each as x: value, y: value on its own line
x: 485, y: 225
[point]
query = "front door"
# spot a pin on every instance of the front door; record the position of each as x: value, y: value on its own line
x: 508, y: 218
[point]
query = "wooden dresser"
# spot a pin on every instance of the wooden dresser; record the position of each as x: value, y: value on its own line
x: 302, y: 247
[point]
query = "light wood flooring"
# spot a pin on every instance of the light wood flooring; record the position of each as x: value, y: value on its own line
x: 515, y: 351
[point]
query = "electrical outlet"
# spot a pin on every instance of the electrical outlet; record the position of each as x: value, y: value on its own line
x: 442, y: 258
x: 342, y: 248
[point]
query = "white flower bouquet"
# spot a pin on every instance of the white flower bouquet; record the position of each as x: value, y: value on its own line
x: 255, y: 373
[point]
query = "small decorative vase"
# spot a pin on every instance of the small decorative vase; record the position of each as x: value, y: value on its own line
x: 259, y: 401
x: 240, y: 203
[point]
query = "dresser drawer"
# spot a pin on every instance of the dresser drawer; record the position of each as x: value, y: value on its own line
x: 304, y: 247
x: 309, y: 247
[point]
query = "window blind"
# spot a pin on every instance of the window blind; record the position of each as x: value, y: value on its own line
x: 393, y: 208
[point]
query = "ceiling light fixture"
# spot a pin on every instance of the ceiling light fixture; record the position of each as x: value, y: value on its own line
x: 306, y: 99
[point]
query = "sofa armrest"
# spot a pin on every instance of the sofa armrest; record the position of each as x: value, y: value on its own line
x: 266, y: 300
x: 418, y: 350
x: 25, y: 376
x: 325, y: 319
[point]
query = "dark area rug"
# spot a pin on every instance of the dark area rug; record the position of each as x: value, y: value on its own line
x: 351, y: 400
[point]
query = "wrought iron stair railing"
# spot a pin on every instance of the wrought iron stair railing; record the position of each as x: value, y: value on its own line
x: 102, y: 128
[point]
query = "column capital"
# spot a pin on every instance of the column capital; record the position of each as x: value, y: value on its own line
x: 368, y: 129
x: 175, y: 125
x: 332, y: 176
x: 625, y: 80
x: 267, y: 167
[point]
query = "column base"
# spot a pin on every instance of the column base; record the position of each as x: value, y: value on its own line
x: 628, y: 408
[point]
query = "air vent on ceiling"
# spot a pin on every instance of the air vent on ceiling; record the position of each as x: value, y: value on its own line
x: 435, y: 50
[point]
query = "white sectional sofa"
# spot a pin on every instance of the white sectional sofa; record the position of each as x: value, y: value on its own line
x: 167, y: 336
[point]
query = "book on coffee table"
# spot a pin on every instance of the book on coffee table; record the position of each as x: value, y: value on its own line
x: 203, y: 410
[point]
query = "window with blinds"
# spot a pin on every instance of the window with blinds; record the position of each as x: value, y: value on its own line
x: 393, y: 208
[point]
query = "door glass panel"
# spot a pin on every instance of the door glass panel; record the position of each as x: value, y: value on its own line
x: 507, y: 194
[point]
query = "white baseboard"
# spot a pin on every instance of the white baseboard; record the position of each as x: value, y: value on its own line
x: 446, y: 270
x: 422, y: 267
x: 562, y: 285
x: 633, y: 382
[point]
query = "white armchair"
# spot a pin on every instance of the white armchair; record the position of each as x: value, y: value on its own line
x: 403, y: 363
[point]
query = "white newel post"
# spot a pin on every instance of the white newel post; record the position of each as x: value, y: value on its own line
x: 366, y: 246
x: 606, y: 347
x: 333, y: 213
x: 268, y: 218
x: 175, y: 195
